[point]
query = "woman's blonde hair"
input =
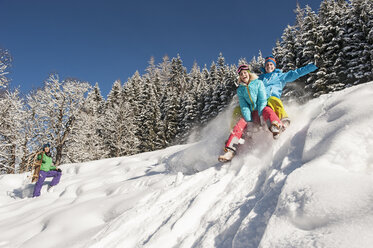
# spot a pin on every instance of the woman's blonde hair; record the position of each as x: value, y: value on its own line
x: 252, y: 75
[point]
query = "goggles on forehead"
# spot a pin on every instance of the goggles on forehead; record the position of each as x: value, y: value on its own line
x: 243, y: 67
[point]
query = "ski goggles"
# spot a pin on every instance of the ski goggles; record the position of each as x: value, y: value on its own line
x: 243, y: 67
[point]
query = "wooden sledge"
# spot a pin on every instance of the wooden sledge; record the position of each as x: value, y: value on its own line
x: 35, y: 165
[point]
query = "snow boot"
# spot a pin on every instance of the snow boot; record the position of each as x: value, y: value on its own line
x: 228, y: 155
x: 50, y: 189
x: 275, y: 129
x: 285, y: 123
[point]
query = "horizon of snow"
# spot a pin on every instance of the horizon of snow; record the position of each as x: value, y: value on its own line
x: 310, y: 188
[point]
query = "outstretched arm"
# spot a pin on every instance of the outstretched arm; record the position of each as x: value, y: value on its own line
x: 293, y: 75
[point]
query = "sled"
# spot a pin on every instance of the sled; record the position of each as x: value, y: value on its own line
x: 254, y: 137
x: 35, y: 165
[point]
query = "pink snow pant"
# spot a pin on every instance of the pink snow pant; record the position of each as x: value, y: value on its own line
x: 268, y: 115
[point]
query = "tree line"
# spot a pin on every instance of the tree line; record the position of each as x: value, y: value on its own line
x: 146, y: 113
x: 167, y: 103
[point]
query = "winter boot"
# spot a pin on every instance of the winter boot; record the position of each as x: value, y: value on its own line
x: 285, y: 123
x: 228, y: 155
x: 50, y: 189
x: 275, y: 129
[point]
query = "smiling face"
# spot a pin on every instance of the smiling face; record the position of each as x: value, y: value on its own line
x: 270, y: 67
x: 46, y: 149
x: 244, y: 76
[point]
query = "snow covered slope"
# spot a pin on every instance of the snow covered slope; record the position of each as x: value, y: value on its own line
x: 311, y: 188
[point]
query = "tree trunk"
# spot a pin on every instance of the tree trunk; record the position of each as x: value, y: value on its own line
x: 58, y: 154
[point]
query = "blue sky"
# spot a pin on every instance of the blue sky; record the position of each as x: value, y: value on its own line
x: 101, y: 41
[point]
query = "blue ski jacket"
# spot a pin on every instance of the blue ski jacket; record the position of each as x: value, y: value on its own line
x: 275, y: 81
x: 252, y: 97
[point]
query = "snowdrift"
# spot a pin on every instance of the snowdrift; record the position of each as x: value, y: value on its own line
x: 311, y: 188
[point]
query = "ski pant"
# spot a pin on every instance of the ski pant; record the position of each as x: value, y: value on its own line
x: 268, y: 116
x: 42, y: 176
x: 277, y: 106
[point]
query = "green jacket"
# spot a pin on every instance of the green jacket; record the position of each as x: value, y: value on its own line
x: 46, y: 163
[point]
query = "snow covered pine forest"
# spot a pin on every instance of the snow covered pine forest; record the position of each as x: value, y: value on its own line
x: 154, y: 180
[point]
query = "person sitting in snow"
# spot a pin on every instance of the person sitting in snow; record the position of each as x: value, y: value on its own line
x: 46, y: 170
x: 253, y: 104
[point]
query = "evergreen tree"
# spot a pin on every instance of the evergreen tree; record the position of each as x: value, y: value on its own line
x: 257, y: 63
x: 120, y: 137
x: 165, y: 70
x: 199, y: 87
x: 113, y: 133
x: 330, y: 33
x: 178, y: 76
x: 368, y: 29
x: 207, y: 111
x: 171, y: 118
x: 358, y: 51
x: 132, y: 91
x: 312, y: 43
x: 289, y: 49
x: 86, y: 141
x: 187, y: 119
x: 222, y: 68
x: 214, y: 91
x: 152, y: 137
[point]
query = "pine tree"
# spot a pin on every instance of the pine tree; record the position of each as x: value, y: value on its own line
x: 368, y: 6
x: 187, y: 119
x: 331, y: 35
x: 87, y: 142
x: 152, y: 137
x: 165, y: 70
x: 118, y: 119
x: 299, y: 29
x: 257, y: 63
x: 132, y: 91
x: 214, y: 91
x: 178, y: 76
x: 310, y: 38
x: 171, y: 117
x: 199, y: 86
x: 359, y: 66
x: 308, y: 49
x: 289, y: 59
